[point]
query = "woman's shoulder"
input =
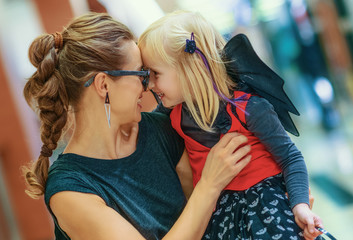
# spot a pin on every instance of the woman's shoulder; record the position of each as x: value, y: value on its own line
x: 65, y: 174
x: 154, y: 115
x: 67, y: 163
x: 155, y: 118
x: 159, y: 124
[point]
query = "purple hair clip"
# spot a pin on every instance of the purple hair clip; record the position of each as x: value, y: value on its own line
x: 191, y: 48
x: 190, y: 44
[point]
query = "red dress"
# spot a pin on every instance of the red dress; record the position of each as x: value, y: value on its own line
x: 261, y: 166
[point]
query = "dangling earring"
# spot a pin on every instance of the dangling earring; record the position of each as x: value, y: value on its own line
x: 107, y: 108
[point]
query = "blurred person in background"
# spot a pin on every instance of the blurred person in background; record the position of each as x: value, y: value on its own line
x: 116, y: 178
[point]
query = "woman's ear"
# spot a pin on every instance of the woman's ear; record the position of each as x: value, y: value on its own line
x: 101, y: 84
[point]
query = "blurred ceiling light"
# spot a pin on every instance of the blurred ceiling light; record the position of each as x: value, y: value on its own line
x: 242, y: 12
x: 79, y: 7
x: 268, y: 10
x: 135, y: 14
x: 220, y: 12
x: 298, y: 7
x: 324, y: 89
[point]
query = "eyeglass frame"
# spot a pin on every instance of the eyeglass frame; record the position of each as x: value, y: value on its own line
x: 118, y: 73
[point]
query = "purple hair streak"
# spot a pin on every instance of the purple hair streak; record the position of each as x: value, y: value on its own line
x: 191, y: 48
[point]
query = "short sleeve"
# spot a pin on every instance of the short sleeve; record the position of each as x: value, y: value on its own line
x: 61, y: 179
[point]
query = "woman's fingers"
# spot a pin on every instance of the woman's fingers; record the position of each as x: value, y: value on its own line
x: 229, y: 149
x: 235, y: 142
x: 228, y: 137
x: 241, y: 164
x: 226, y: 160
x: 241, y: 153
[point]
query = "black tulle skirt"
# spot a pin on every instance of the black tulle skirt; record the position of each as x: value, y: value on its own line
x: 260, y: 212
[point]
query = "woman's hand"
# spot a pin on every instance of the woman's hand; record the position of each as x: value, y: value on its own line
x: 307, y: 221
x: 225, y: 160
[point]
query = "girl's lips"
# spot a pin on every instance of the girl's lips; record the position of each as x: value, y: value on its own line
x: 160, y: 95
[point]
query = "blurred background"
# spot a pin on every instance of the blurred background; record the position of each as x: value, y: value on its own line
x: 307, y: 42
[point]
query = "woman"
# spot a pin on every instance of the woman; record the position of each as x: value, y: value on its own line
x: 116, y: 178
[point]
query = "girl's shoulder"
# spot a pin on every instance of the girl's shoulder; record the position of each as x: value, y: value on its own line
x: 257, y: 103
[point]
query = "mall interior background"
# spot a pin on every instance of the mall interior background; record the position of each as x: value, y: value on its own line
x: 309, y: 43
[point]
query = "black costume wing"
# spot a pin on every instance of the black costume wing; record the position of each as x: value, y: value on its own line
x: 245, y: 67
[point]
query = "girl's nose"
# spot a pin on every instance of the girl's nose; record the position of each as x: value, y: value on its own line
x: 151, y: 85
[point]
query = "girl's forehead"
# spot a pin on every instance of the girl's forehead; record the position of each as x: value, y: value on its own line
x: 151, y: 59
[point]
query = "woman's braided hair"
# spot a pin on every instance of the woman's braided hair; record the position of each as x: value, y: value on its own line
x: 90, y: 43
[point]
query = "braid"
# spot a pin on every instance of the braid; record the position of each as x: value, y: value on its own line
x: 91, y: 43
x: 46, y: 88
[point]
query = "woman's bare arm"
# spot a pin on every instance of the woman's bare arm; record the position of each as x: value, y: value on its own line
x: 86, y: 216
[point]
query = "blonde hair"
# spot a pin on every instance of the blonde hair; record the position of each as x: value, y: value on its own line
x: 166, y: 39
x: 90, y: 43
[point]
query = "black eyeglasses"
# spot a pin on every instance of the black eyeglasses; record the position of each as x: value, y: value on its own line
x: 117, y: 73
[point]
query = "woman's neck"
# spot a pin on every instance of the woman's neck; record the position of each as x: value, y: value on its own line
x: 95, y: 139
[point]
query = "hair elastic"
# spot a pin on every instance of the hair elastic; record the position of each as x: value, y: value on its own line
x: 58, y: 40
x: 45, y: 151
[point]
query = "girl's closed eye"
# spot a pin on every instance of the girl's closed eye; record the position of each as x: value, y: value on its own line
x: 154, y: 74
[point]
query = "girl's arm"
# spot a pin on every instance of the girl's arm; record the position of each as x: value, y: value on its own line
x: 185, y: 174
x: 86, y: 216
x: 263, y: 121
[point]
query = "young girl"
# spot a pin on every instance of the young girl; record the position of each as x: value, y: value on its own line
x: 184, y: 54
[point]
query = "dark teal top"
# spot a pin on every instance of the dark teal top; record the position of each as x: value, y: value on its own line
x: 143, y: 187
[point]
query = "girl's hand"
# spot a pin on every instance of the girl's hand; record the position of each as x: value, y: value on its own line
x: 307, y: 221
x: 225, y: 161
